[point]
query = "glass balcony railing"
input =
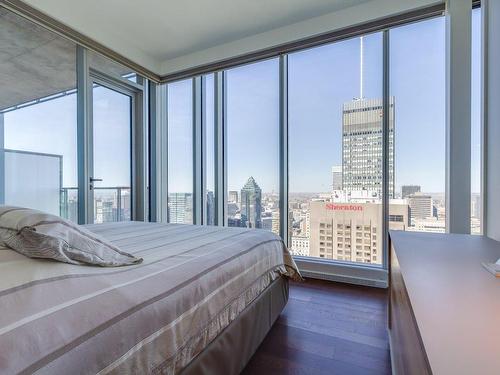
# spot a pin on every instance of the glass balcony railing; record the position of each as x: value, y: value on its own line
x: 111, y: 204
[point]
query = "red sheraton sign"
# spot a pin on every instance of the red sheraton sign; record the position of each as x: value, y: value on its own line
x: 344, y: 207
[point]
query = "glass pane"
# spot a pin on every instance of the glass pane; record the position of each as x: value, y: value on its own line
x: 253, y: 145
x: 476, y: 123
x: 37, y: 118
x: 210, y: 147
x: 112, y: 128
x: 418, y: 86
x: 180, y: 152
x: 335, y: 150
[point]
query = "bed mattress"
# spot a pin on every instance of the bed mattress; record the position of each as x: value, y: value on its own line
x: 155, y: 317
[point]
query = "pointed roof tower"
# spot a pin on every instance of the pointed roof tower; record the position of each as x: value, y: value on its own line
x: 251, y: 185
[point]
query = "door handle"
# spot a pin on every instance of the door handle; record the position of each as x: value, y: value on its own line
x: 92, y: 180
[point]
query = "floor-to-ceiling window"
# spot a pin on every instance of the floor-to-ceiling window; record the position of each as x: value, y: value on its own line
x: 417, y: 84
x: 114, y: 124
x: 335, y: 141
x: 335, y: 150
x: 252, y: 100
x: 476, y: 202
x: 38, y: 118
x: 180, y: 151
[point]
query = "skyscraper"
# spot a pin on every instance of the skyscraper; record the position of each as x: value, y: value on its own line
x: 351, y: 231
x: 362, y: 146
x: 251, y: 204
x: 407, y: 190
x: 420, y: 206
x: 210, y: 208
x: 337, y: 177
x: 180, y: 208
x: 232, y: 196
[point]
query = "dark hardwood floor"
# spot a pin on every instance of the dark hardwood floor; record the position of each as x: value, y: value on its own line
x: 327, y: 328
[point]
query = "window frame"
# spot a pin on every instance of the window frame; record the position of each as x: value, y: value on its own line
x: 86, y: 77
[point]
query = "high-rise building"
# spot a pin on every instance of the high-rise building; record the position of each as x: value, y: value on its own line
x: 276, y: 222
x: 305, y: 223
x: 337, y: 177
x: 251, y: 204
x: 300, y: 245
x: 475, y: 205
x: 210, y: 208
x: 266, y: 223
x: 109, y: 211
x: 232, y: 196
x: 352, y: 231
x: 429, y: 225
x: 420, y: 206
x: 232, y: 209
x: 124, y: 211
x: 180, y: 208
x: 407, y: 190
x: 362, y: 146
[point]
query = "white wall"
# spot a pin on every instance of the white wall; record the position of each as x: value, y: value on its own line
x: 458, y: 115
x: 372, y: 10
x: 491, y: 102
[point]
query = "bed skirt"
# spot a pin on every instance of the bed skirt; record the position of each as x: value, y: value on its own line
x: 231, y: 350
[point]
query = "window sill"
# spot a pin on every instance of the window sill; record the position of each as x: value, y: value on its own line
x: 350, y: 273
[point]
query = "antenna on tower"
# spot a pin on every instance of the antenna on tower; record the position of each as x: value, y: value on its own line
x: 361, y: 67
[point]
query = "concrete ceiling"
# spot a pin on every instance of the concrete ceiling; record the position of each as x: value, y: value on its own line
x: 152, y: 31
x: 36, y: 63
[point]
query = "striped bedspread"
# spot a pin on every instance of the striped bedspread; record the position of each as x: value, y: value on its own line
x: 154, y: 317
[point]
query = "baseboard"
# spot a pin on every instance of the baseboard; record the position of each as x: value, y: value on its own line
x: 393, y: 371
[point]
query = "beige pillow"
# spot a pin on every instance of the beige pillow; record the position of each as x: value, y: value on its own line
x: 40, y: 235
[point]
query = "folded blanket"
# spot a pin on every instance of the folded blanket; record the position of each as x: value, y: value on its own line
x: 36, y: 234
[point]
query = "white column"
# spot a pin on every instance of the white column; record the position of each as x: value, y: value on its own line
x: 491, y: 118
x: 458, y: 115
x: 85, y: 211
x: 220, y: 148
x: 198, y: 150
x: 162, y: 153
x: 283, y: 148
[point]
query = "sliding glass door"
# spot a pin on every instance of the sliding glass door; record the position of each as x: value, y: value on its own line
x: 116, y: 150
x: 110, y: 181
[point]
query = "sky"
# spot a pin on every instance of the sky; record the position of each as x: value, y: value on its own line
x: 320, y: 81
x: 50, y: 127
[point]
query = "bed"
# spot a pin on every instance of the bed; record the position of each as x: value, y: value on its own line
x: 200, y: 303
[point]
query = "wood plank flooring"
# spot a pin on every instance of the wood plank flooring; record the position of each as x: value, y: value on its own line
x: 327, y: 328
